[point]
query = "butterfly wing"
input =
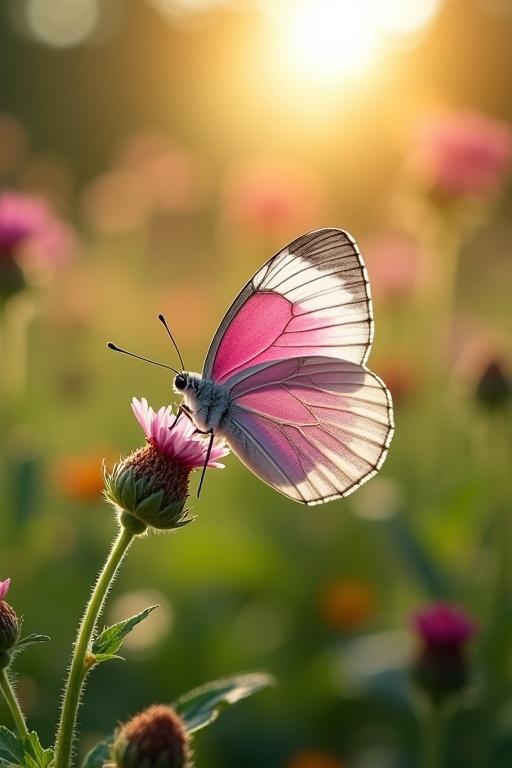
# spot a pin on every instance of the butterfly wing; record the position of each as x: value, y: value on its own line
x: 313, y: 297
x: 314, y: 428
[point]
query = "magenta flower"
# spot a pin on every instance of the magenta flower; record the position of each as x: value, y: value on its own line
x: 177, y: 442
x: 441, y: 668
x: 442, y: 624
x: 29, y: 227
x: 4, y: 588
x: 463, y: 154
x: 150, y: 487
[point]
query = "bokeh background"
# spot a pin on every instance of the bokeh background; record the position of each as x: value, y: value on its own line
x: 152, y: 155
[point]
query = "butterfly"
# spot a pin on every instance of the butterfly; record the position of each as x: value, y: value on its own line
x: 285, y: 382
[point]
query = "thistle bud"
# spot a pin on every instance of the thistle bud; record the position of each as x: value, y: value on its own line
x: 150, y: 487
x: 441, y: 668
x: 155, y: 738
x: 9, y: 625
x: 494, y: 388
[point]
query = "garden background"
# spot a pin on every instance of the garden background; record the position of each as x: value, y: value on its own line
x: 178, y: 145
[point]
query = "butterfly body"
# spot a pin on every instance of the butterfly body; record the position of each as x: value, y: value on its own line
x: 206, y: 401
x: 285, y: 381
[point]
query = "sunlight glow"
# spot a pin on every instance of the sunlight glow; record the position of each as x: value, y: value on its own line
x: 400, y: 17
x: 331, y: 38
x: 60, y: 23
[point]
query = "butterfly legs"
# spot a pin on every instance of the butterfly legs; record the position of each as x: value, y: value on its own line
x: 207, y: 458
x: 185, y: 410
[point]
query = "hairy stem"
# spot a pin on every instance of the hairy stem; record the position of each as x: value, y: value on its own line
x: 78, y: 669
x: 12, y: 703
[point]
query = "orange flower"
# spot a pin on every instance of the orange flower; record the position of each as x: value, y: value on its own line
x: 80, y: 477
x: 346, y: 605
x: 314, y: 760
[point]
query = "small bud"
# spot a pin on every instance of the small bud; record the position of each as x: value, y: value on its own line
x: 494, y: 388
x: 9, y: 624
x: 441, y: 668
x: 155, y: 738
x: 150, y: 487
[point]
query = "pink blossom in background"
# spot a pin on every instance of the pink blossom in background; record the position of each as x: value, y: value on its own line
x: 4, y: 588
x: 174, y: 178
x: 30, y: 229
x: 269, y: 199
x: 443, y: 625
x: 462, y: 153
x: 179, y: 443
x: 393, y: 261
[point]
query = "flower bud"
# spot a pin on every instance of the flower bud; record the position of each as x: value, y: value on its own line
x: 9, y: 625
x: 494, y: 388
x: 150, y: 487
x: 155, y: 738
x: 441, y: 667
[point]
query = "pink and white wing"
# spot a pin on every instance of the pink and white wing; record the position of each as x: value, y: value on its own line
x: 313, y: 297
x: 314, y: 428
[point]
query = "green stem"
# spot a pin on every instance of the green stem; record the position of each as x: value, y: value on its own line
x: 431, y: 742
x: 13, y: 704
x: 78, y: 669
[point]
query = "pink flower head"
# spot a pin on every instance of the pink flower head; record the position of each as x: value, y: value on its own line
x: 466, y: 153
x: 393, y: 260
x: 267, y: 198
x: 179, y: 443
x: 442, y: 625
x: 28, y: 223
x: 4, y: 588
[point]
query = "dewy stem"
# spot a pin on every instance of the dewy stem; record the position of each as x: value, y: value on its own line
x: 12, y: 703
x: 78, y: 668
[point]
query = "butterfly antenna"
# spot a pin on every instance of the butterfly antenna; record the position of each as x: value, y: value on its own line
x: 139, y: 357
x: 206, y: 460
x: 164, y: 323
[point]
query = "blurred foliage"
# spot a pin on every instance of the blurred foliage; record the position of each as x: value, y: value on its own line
x: 183, y: 161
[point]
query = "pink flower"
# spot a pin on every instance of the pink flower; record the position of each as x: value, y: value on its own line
x: 269, y: 199
x: 393, y: 261
x: 177, y: 442
x: 150, y: 487
x: 29, y: 226
x: 4, y: 588
x: 442, y: 625
x: 463, y: 154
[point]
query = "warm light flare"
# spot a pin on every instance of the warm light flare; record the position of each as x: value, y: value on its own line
x: 331, y: 40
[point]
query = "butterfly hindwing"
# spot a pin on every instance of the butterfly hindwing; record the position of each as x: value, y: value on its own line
x: 312, y: 297
x: 314, y: 428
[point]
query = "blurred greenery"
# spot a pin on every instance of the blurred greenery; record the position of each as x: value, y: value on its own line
x: 184, y: 152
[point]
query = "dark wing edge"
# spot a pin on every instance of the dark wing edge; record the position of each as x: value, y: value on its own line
x: 298, y: 247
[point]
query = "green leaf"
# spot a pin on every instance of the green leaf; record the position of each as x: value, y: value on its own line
x: 110, y: 640
x: 35, y: 756
x: 23, y: 752
x: 203, y: 705
x: 100, y: 754
x: 11, y: 749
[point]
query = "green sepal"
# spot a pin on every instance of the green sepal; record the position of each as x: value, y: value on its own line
x: 30, y: 640
x: 203, y: 705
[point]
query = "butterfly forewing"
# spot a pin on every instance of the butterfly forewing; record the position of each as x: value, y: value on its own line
x: 311, y: 298
x: 315, y: 428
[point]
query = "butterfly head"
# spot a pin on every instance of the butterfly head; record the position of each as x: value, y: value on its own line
x: 186, y: 383
x: 180, y: 381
